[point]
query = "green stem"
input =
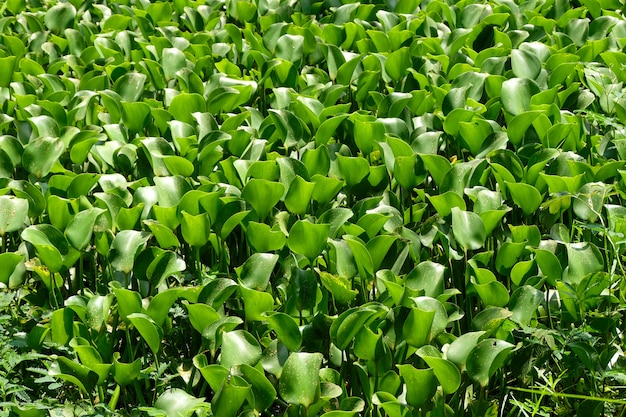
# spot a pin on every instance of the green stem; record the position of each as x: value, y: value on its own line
x: 197, y: 262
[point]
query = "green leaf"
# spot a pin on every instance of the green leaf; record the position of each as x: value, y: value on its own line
x: 339, y: 287
x: 524, y: 303
x: 125, y: 247
x: 590, y: 200
x: 68, y: 370
x: 299, y: 195
x: 468, y: 229
x: 50, y: 243
x: 308, y: 239
x: 8, y: 65
x: 184, y: 105
x: 135, y: 116
x: 446, y: 372
x: 353, y: 169
x: 459, y: 350
x: 262, y: 195
x: 299, y: 382
x: 60, y: 16
x: 11, y: 269
x: 397, y: 63
x: 149, y: 330
x: 286, y: 329
x: 80, y: 229
x: 583, y: 258
x: 444, y: 203
x: 239, y: 347
x: 13, y: 214
x: 230, y: 397
x: 516, y: 94
x: 125, y: 373
x: 263, y: 390
x: 327, y: 130
x: 486, y: 358
x: 196, y: 229
x: 130, y: 86
x: 421, y: 384
x: 163, y: 234
x: 256, y: 303
x: 492, y: 293
x: 128, y: 302
x: 201, y: 315
x: 263, y: 239
x: 98, y: 311
x: 163, y: 266
x: 290, y: 48
x: 525, y: 64
x: 417, y: 327
x: 61, y: 325
x: 41, y: 154
x: 255, y: 273
x: 175, y: 402
x: 350, y: 322
x: 525, y: 196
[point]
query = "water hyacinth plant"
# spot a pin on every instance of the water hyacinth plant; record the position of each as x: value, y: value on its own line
x: 312, y: 208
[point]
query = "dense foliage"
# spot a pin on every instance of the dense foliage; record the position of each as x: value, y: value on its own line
x: 301, y: 208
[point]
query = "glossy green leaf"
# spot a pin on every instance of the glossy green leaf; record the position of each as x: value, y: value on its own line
x: 286, y: 329
x: 263, y: 239
x: 444, y: 203
x: 41, y: 154
x: 516, y: 95
x: 149, y: 330
x: 421, y: 384
x: 196, y: 229
x: 80, y: 229
x: 299, y: 382
x: 125, y: 373
x: 299, y: 195
x: 583, y: 258
x: 525, y: 196
x: 176, y: 402
x: 239, y: 347
x: 230, y: 397
x: 125, y: 247
x: 492, y: 293
x: 263, y: 390
x: 397, y: 63
x: 256, y: 303
x: 50, y: 243
x: 308, y: 239
x: 524, y: 303
x: 201, y: 315
x: 459, y: 350
x: 468, y: 229
x: 339, y: 287
x: 12, y: 269
x: 130, y: 86
x: 135, y: 116
x: 446, y: 372
x: 60, y: 16
x: 128, y: 301
x: 353, y: 169
x: 350, y: 322
x: 525, y: 64
x: 262, y: 195
x: 486, y: 358
x: 255, y: 273
x: 13, y: 213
